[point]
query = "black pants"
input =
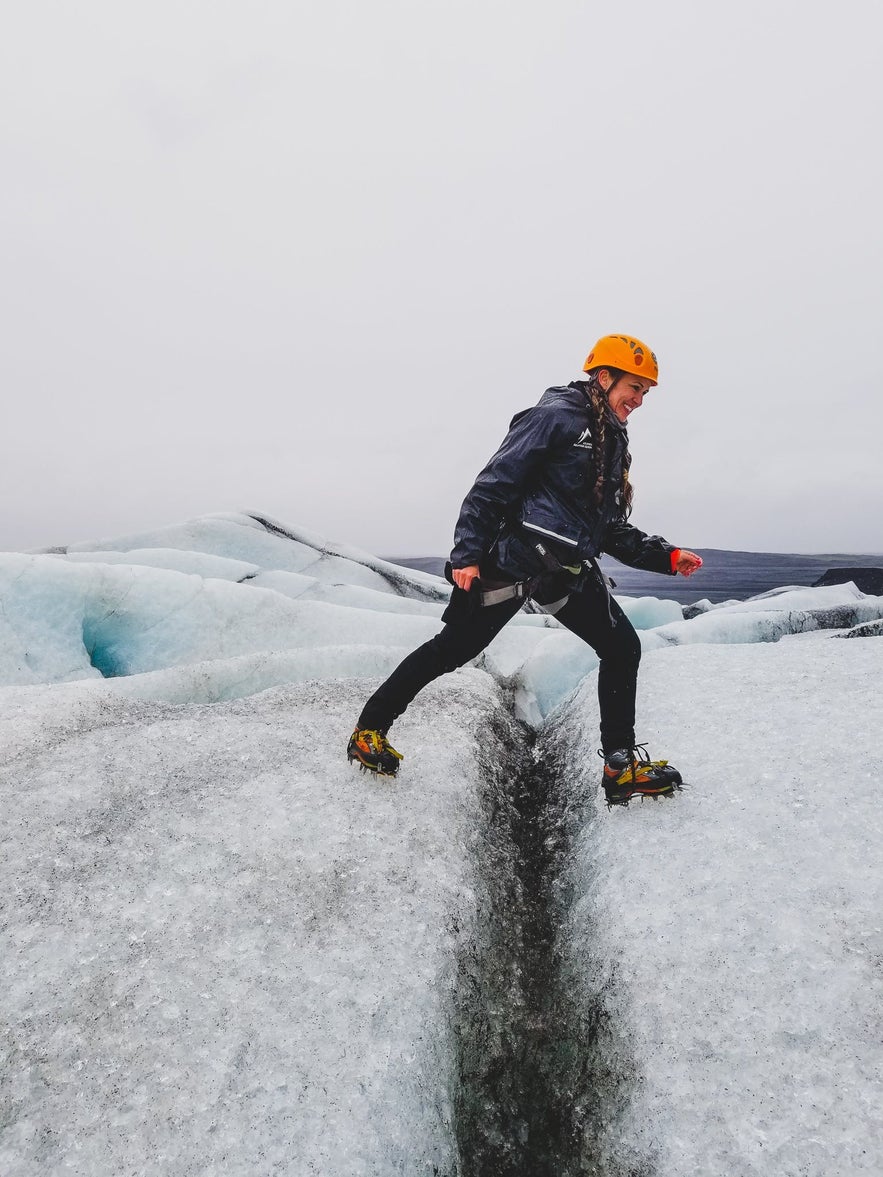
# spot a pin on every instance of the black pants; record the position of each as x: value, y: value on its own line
x: 589, y: 613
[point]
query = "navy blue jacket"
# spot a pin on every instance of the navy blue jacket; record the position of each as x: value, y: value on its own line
x: 539, y: 486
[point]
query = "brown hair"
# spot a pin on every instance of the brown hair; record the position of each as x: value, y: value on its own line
x: 598, y: 400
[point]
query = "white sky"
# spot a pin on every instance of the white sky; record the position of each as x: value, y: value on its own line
x: 309, y: 258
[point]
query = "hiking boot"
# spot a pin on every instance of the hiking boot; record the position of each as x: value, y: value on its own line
x: 630, y: 771
x: 374, y: 752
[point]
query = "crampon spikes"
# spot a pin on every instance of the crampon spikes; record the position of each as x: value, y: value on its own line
x: 661, y: 796
x: 373, y: 771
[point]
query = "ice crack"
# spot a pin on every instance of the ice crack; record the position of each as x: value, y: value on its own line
x: 528, y: 1066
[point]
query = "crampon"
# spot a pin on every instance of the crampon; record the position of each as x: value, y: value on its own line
x: 373, y: 752
x: 629, y: 772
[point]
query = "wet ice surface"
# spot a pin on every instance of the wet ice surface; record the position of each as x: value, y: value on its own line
x: 226, y: 950
x: 734, y: 934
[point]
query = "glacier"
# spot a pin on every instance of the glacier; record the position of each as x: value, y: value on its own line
x: 226, y: 950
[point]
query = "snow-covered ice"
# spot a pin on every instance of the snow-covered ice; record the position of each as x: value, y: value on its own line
x: 228, y: 586
x: 63, y: 621
x: 734, y: 936
x: 225, y: 950
x: 268, y: 544
x: 771, y: 616
x: 197, y: 593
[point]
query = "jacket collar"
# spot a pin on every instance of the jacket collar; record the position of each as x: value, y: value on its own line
x: 583, y: 387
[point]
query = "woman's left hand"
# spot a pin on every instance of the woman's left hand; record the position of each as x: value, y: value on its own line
x: 688, y: 562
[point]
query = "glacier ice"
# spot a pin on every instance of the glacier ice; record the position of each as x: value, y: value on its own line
x: 230, y: 587
x: 727, y: 942
x: 267, y: 544
x: 224, y: 949
x: 649, y: 612
x: 740, y: 623
x: 62, y: 621
x: 172, y: 559
x: 220, y: 942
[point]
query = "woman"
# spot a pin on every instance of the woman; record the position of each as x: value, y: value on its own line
x: 554, y: 495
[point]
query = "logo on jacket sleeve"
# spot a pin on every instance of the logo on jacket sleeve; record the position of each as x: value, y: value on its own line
x: 584, y: 441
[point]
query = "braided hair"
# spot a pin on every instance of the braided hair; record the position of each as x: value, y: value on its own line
x: 598, y: 400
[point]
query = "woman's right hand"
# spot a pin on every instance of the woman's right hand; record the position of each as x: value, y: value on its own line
x: 463, y: 577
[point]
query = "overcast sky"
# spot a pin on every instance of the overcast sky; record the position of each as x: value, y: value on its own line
x: 308, y: 258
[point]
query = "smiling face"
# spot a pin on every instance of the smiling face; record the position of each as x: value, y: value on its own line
x: 626, y: 395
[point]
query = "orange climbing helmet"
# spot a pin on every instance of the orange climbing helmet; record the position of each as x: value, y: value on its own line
x: 625, y: 353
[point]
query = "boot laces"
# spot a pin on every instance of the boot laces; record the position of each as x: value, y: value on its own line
x: 637, y: 755
x: 379, y: 743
